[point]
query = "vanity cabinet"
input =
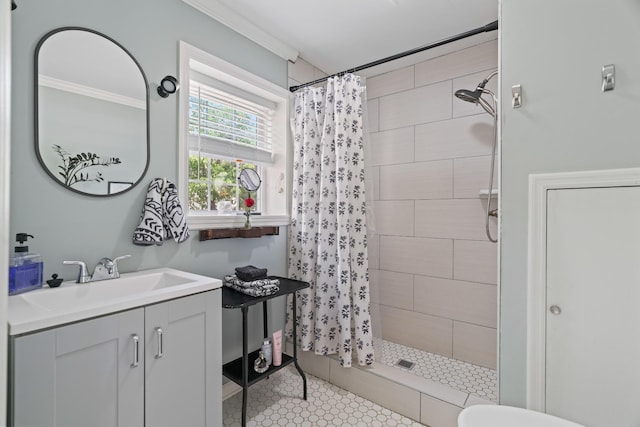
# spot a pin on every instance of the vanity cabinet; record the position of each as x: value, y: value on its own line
x: 157, y: 366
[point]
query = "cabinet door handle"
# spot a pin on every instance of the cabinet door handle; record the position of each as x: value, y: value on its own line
x: 159, y: 332
x: 136, y: 350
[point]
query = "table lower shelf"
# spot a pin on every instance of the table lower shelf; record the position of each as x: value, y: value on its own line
x: 233, y: 369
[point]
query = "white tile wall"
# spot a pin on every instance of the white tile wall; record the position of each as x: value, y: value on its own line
x: 423, y: 105
x: 392, y: 146
x: 428, y: 257
x: 374, y: 176
x: 392, y: 82
x: 373, y: 107
x: 396, y: 289
x: 453, y: 219
x: 448, y: 139
x: 394, y: 217
x: 470, y: 175
x: 411, y: 181
x: 433, y: 150
x: 475, y: 344
x: 475, y: 261
x: 467, y: 61
x: 374, y: 287
x: 437, y: 413
x: 417, y: 330
x: 453, y: 299
x: 373, y: 250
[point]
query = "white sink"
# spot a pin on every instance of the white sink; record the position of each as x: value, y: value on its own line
x: 71, y: 294
x: 48, y: 307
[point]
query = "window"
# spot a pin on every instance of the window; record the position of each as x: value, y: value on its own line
x: 230, y: 119
x: 224, y: 132
x: 213, y: 182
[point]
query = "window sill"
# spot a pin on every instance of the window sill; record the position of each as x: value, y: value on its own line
x: 206, y: 222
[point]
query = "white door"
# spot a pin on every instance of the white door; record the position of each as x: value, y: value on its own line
x: 593, y: 287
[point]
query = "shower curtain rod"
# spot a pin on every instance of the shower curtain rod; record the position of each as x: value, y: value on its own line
x: 489, y: 27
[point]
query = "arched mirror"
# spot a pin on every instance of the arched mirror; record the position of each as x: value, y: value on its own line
x: 91, y: 112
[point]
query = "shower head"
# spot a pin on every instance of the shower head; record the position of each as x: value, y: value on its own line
x: 468, y: 95
x: 475, y: 96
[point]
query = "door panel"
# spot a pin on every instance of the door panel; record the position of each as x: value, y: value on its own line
x: 80, y: 375
x: 593, y: 277
x: 95, y: 382
x: 88, y: 395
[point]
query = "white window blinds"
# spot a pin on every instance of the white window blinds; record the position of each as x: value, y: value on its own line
x: 230, y: 124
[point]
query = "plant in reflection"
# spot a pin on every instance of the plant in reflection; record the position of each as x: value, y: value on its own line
x: 73, y: 166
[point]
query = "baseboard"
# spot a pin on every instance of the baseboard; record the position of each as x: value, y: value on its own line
x: 229, y: 389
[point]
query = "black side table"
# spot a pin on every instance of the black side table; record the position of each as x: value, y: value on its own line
x: 238, y: 370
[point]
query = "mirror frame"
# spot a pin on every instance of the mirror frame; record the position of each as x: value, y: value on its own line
x: 36, y: 118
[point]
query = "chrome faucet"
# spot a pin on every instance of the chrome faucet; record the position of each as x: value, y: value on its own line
x: 105, y: 269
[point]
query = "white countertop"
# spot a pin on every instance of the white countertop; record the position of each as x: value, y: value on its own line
x: 72, y: 302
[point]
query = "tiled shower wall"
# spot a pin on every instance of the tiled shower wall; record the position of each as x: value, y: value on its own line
x: 433, y: 271
x: 434, y: 268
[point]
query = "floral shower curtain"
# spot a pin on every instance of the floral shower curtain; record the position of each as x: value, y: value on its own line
x: 328, y: 232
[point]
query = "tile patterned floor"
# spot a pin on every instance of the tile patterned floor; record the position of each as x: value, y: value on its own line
x: 462, y: 376
x: 277, y: 401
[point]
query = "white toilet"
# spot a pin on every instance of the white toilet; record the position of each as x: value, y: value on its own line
x: 508, y: 416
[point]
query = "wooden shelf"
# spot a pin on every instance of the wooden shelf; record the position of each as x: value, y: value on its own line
x: 227, y: 233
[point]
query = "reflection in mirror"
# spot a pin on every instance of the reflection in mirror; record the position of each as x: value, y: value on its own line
x: 91, y: 112
x: 249, y: 179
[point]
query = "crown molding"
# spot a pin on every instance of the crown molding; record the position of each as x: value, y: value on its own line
x: 236, y: 22
x: 91, y: 92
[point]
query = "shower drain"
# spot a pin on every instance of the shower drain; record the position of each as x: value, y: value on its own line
x: 405, y: 364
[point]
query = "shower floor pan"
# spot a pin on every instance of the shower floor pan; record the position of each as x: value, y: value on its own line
x: 432, y: 391
x: 466, y: 377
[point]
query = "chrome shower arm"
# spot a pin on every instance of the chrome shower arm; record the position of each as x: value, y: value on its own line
x: 491, y: 109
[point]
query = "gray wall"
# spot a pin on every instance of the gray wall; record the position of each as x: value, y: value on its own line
x: 69, y: 226
x: 565, y: 124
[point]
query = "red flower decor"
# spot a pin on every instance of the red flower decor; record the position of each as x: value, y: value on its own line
x: 248, y: 202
